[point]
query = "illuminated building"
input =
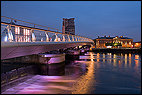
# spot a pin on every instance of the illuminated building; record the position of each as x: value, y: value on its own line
x: 113, y: 42
x: 137, y: 44
x: 68, y: 26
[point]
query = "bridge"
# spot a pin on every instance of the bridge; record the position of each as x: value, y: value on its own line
x: 21, y: 38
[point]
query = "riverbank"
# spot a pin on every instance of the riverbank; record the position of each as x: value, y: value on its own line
x: 117, y: 50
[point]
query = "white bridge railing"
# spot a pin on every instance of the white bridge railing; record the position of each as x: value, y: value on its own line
x: 13, y: 30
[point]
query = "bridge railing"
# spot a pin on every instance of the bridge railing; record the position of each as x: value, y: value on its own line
x: 13, y: 30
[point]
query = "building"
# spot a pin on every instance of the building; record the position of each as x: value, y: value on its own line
x: 113, y: 42
x: 137, y: 44
x: 68, y: 26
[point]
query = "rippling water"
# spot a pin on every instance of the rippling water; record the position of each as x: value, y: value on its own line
x: 93, y: 73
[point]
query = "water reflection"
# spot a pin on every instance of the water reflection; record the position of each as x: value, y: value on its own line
x: 88, y: 76
x: 114, y: 60
x: 125, y: 60
x: 98, y: 56
x: 109, y: 57
x: 86, y: 81
x: 56, y: 69
x: 119, y: 64
x: 136, y: 61
x: 121, y: 56
x: 130, y: 57
x: 103, y: 57
x: 92, y: 57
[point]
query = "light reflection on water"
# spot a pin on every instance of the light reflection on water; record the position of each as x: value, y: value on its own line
x: 103, y: 73
x: 125, y: 60
x: 116, y: 73
x: 86, y: 81
x: 130, y: 55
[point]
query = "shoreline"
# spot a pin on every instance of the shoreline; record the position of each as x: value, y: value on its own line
x: 117, y: 50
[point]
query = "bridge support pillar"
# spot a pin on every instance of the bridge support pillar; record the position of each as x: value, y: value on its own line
x: 51, y: 58
x: 72, y: 54
x: 51, y: 64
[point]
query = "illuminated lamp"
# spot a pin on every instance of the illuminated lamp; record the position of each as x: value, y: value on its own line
x: 137, y: 44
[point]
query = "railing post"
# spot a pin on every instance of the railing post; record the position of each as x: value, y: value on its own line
x: 10, y: 36
x: 47, y: 37
x: 78, y: 39
x: 75, y: 38
x: 41, y: 38
x: 81, y: 38
x: 56, y: 38
x: 33, y: 35
x: 69, y: 38
x: 5, y: 37
x: 72, y: 38
x: 63, y: 38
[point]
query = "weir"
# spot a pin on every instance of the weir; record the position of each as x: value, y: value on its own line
x: 41, y: 64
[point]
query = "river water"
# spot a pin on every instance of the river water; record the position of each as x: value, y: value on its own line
x: 92, y: 73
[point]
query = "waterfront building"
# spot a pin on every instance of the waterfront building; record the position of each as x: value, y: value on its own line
x: 137, y: 44
x: 68, y: 26
x: 113, y: 42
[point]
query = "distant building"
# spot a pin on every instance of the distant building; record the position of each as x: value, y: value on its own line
x: 68, y: 26
x: 113, y: 42
x: 137, y: 44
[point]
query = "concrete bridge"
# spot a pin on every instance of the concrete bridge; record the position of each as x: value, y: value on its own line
x: 20, y: 38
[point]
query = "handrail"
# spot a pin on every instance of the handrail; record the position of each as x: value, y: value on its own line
x: 28, y: 22
x: 48, y: 31
x: 28, y: 27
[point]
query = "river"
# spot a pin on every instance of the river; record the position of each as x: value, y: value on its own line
x: 92, y: 73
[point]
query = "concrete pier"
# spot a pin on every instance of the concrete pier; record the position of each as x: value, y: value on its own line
x: 51, y: 58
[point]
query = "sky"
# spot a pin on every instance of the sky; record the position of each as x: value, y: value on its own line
x: 92, y: 18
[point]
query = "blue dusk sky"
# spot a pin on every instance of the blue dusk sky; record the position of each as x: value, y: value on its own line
x: 92, y: 18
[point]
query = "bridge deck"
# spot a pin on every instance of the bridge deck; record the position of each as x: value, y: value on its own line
x: 16, y: 49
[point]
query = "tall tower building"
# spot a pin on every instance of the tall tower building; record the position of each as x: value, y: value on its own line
x: 68, y: 26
